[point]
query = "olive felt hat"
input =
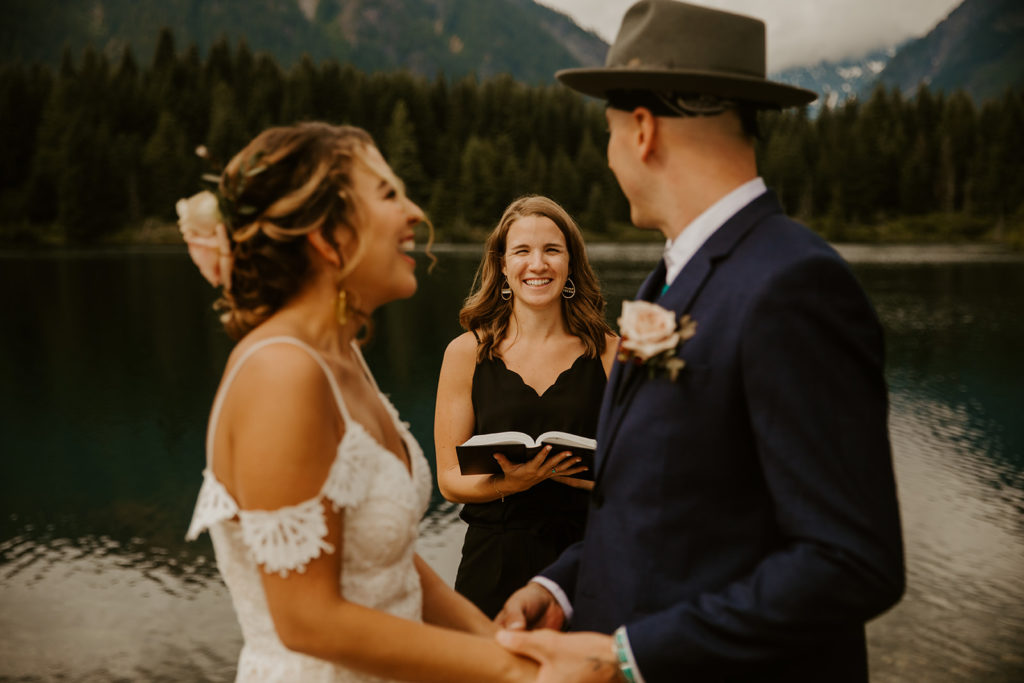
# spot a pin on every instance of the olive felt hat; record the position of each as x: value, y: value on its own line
x: 670, y: 46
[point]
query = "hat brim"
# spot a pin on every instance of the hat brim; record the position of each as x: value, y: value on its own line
x: 597, y: 82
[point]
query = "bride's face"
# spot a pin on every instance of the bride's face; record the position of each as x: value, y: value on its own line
x: 385, y: 271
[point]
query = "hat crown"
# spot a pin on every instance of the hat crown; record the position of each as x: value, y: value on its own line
x: 664, y: 45
x: 665, y: 34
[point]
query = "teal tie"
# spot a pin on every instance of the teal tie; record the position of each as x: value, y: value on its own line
x: 657, y: 289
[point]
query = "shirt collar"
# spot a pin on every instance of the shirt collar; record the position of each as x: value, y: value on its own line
x: 679, y: 251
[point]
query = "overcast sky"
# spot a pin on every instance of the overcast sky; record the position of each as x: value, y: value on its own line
x: 800, y: 32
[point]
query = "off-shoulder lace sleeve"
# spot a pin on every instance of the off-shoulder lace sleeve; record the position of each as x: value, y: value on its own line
x: 214, y: 505
x: 287, y: 538
x: 346, y: 481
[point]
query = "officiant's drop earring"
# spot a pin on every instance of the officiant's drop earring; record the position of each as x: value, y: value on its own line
x: 569, y: 290
x: 506, y: 290
x: 341, y: 307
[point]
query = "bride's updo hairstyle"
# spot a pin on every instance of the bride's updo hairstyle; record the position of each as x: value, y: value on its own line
x: 288, y: 182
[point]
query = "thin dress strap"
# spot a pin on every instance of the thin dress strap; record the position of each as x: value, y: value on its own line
x: 219, y: 401
x: 366, y: 368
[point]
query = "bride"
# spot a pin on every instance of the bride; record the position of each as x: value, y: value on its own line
x: 313, y: 488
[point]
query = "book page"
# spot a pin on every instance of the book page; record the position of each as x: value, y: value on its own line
x: 499, y: 438
x: 566, y: 439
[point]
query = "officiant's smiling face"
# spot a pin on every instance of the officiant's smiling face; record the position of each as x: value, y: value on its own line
x: 536, y: 261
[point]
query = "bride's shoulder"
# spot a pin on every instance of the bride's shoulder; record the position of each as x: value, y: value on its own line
x: 275, y: 367
x: 282, y: 437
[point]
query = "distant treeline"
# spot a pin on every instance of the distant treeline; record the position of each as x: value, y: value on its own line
x: 94, y: 151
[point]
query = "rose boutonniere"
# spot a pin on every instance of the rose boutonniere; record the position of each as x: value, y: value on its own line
x: 651, y: 336
x: 202, y: 226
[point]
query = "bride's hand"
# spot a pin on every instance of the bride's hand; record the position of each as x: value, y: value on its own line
x: 518, y: 477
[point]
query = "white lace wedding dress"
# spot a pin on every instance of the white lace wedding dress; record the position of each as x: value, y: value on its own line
x: 383, y: 506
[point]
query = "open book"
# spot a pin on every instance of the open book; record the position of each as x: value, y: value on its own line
x: 476, y: 455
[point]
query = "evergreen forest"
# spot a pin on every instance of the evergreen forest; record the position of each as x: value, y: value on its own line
x: 98, y: 151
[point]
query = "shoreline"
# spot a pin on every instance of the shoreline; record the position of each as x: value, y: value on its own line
x: 604, y: 252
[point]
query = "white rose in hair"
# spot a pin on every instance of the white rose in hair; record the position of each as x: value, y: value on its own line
x: 198, y: 215
x: 647, y: 329
x: 202, y: 226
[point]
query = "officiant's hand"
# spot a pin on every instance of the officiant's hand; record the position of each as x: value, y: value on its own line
x: 518, y: 477
x: 530, y: 607
x: 565, y: 657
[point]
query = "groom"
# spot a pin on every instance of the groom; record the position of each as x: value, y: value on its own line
x: 744, y: 523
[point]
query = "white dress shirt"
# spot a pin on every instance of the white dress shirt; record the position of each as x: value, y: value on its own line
x: 679, y: 251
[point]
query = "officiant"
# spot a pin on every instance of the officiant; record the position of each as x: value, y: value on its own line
x: 535, y: 358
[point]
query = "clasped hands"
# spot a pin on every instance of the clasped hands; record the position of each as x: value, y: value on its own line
x: 531, y: 619
x: 560, y: 467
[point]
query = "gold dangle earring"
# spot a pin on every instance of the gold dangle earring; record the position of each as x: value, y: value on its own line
x: 506, y: 290
x: 569, y: 290
x: 341, y: 307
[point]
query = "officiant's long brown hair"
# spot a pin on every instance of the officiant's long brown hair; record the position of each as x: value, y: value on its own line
x: 487, y: 315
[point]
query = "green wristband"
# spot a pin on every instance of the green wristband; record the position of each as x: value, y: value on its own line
x: 621, y: 654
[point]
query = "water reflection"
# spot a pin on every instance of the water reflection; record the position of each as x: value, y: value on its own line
x: 959, y: 456
x: 109, y: 362
x: 90, y: 609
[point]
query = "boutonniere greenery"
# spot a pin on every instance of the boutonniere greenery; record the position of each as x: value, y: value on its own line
x: 652, y: 337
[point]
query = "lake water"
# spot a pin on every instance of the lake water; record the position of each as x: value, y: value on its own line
x: 109, y: 361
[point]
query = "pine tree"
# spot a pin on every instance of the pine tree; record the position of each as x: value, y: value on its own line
x: 402, y: 153
x: 594, y: 218
x: 24, y: 92
x: 171, y: 170
x: 534, y: 171
x: 227, y: 132
x: 300, y: 87
x: 91, y: 201
x: 477, y: 183
x: 564, y: 182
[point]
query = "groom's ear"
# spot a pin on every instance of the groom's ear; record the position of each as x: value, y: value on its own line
x: 645, y: 128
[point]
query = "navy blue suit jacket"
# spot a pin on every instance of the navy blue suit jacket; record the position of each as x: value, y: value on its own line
x: 744, y: 523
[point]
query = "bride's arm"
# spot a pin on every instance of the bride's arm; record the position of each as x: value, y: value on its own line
x: 442, y: 606
x: 311, y: 617
x: 280, y: 447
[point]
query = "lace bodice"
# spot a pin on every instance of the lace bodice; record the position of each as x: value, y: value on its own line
x: 383, y: 505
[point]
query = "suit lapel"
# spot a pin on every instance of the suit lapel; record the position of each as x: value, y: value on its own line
x: 650, y: 289
x: 678, y: 298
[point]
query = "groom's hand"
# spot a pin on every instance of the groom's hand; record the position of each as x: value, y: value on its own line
x: 566, y: 657
x: 531, y: 607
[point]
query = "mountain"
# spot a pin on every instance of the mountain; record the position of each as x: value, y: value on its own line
x: 837, y: 81
x: 979, y: 48
x: 454, y: 37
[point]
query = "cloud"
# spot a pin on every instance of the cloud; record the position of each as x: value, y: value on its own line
x: 800, y: 32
